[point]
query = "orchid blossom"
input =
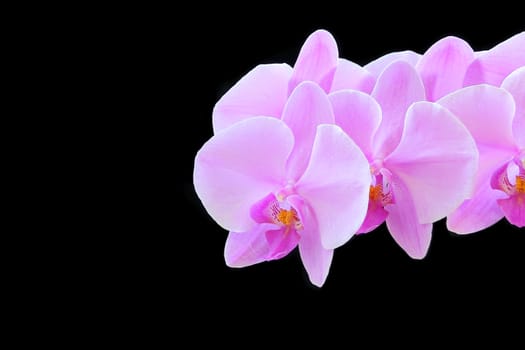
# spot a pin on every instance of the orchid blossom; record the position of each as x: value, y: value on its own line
x: 495, y: 116
x: 280, y: 183
x: 422, y: 159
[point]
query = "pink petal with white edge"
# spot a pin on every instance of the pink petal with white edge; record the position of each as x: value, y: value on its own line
x: 359, y: 115
x: 515, y: 84
x: 479, y: 53
x: 396, y: 89
x: 248, y: 248
x: 436, y: 159
x: 403, y: 224
x: 336, y: 185
x: 316, y: 259
x: 443, y: 66
x: 514, y: 209
x: 317, y: 61
x: 239, y: 166
x: 261, y: 92
x: 377, y: 66
x: 349, y: 75
x: 494, y: 65
x: 307, y: 107
x: 478, y: 213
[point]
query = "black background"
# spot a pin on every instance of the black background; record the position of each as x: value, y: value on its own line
x: 131, y: 255
x: 463, y: 279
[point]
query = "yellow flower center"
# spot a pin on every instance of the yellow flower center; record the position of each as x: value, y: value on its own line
x: 286, y: 217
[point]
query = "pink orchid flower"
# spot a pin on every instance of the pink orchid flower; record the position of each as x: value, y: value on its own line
x: 280, y: 183
x: 421, y: 156
x: 495, y: 116
x: 265, y: 89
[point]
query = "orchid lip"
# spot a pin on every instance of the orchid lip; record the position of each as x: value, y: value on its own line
x: 510, y: 178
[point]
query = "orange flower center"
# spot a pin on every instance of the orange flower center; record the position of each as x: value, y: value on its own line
x: 287, y: 217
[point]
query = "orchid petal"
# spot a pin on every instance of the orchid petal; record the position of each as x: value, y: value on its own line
x: 477, y: 213
x: 261, y: 92
x: 377, y: 66
x: 375, y: 216
x: 443, y: 66
x: 396, y: 89
x: 281, y: 242
x: 492, y: 66
x: 248, y: 248
x: 317, y: 61
x: 403, y: 224
x: 239, y: 166
x: 350, y: 75
x: 515, y: 84
x: 316, y: 259
x: 476, y: 107
x: 307, y: 107
x: 514, y: 209
x: 487, y: 112
x: 479, y: 53
x: 359, y: 115
x: 336, y: 185
x: 436, y: 160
